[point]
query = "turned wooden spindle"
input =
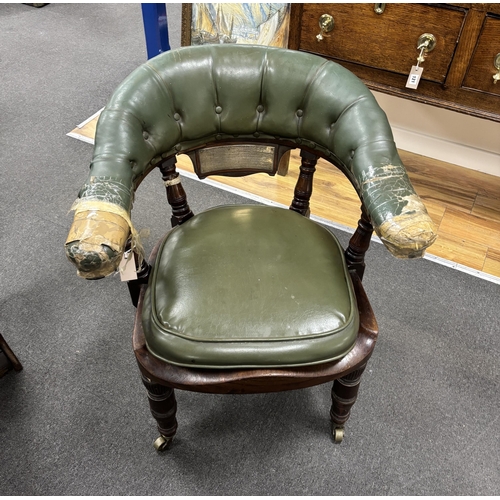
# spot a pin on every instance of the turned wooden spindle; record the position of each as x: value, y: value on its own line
x: 304, y: 186
x: 359, y: 244
x: 176, y: 195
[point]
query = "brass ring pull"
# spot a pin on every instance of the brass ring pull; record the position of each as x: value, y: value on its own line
x: 425, y: 43
x: 326, y: 23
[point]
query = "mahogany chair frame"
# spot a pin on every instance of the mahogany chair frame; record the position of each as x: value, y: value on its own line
x: 161, y: 378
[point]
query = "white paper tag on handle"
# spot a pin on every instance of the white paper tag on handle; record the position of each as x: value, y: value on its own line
x: 127, y: 269
x: 414, y: 77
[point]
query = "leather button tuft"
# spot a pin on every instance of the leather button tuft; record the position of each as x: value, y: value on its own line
x: 260, y: 108
x: 300, y: 112
x: 177, y: 147
x: 177, y: 117
x: 256, y: 134
x: 218, y: 110
x: 145, y: 135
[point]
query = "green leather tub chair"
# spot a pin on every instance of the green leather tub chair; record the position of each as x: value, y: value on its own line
x: 245, y: 298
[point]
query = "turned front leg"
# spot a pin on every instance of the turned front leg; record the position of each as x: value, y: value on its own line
x: 344, y: 395
x: 163, y: 407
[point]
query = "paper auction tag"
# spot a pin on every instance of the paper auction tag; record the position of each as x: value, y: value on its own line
x: 414, y: 77
x: 127, y: 269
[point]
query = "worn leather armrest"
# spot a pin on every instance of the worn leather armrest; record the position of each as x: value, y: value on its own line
x: 96, y: 242
x: 399, y: 216
x: 410, y: 233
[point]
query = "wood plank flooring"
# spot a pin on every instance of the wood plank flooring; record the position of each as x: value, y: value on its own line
x: 464, y: 204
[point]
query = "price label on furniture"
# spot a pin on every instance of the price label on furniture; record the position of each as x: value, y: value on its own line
x: 414, y: 77
x: 127, y: 268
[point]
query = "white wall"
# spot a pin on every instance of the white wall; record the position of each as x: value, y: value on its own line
x: 446, y: 135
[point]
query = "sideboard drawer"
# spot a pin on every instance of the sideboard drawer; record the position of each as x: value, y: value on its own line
x: 481, y: 70
x: 386, y: 41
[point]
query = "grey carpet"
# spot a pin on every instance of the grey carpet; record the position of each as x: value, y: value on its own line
x: 76, y: 420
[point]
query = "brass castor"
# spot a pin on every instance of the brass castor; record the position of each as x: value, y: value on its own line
x: 162, y: 443
x: 338, y: 434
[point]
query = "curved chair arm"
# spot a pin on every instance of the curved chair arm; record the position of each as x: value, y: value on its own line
x: 400, y: 218
x: 194, y: 96
x: 101, y: 227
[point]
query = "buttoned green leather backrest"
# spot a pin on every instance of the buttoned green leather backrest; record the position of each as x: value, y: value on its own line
x: 194, y: 96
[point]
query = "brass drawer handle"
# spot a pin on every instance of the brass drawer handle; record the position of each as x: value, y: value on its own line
x: 326, y: 23
x: 425, y: 43
x: 496, y: 63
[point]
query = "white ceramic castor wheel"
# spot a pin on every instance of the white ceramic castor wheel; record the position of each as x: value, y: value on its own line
x: 162, y: 443
x: 338, y: 434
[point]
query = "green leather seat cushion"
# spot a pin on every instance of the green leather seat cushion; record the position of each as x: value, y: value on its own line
x: 250, y: 286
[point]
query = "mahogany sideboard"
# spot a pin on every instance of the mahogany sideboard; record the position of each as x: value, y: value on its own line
x: 379, y: 43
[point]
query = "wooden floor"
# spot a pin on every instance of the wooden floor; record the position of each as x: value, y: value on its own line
x: 464, y: 204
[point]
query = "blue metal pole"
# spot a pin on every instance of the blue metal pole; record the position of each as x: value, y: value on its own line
x: 154, y: 16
